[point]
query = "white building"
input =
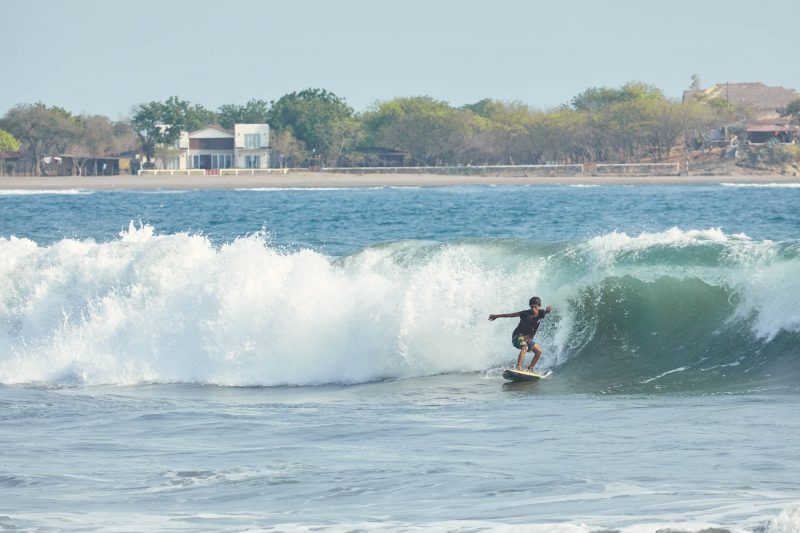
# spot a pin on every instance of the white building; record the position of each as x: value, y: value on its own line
x: 213, y: 148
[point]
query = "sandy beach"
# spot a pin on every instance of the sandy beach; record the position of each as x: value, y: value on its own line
x: 333, y: 180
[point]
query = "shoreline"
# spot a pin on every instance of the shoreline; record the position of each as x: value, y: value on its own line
x: 306, y: 180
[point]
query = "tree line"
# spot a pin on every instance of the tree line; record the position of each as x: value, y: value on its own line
x: 632, y: 123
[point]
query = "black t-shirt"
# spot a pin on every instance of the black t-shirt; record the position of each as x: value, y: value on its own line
x: 528, y: 323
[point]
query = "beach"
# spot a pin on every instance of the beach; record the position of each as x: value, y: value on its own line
x: 337, y: 180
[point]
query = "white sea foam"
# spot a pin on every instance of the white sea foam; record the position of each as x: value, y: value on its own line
x: 762, y: 185
x: 301, y: 189
x: 175, y: 308
x: 31, y: 192
x: 787, y: 522
x: 162, y: 191
x: 674, y: 237
x: 681, y: 369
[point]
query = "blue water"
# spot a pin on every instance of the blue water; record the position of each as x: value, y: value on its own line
x: 343, y: 221
x: 296, y: 359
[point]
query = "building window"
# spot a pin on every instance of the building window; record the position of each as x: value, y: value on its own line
x: 221, y: 161
x: 252, y: 161
x: 252, y: 140
x: 212, y: 161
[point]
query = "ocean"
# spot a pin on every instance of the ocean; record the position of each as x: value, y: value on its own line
x: 322, y: 359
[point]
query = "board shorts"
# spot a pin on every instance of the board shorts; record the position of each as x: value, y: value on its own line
x: 523, y: 341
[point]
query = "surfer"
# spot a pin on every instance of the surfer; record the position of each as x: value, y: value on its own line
x: 522, y: 337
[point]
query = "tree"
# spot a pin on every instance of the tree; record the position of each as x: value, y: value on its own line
x: 42, y: 131
x: 346, y: 135
x: 253, y: 112
x: 428, y: 129
x: 562, y: 135
x: 596, y: 99
x: 157, y: 123
x: 315, y: 117
x: 500, y: 132
x: 148, y: 123
x: 7, y: 144
x: 99, y: 136
x: 289, y: 150
x: 792, y: 110
x: 629, y: 122
x: 671, y: 120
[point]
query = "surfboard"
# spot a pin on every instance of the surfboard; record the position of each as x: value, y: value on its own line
x: 512, y: 374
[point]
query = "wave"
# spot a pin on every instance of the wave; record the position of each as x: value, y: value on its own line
x: 679, y: 310
x: 771, y: 185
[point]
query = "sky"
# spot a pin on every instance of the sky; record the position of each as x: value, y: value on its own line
x: 107, y: 56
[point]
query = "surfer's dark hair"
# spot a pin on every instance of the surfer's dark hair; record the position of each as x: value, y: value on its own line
x: 535, y: 301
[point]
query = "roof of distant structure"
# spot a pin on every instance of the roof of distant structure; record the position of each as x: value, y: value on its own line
x: 205, y: 131
x: 754, y: 95
x: 770, y: 127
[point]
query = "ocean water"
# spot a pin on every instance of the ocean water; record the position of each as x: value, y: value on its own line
x: 321, y: 360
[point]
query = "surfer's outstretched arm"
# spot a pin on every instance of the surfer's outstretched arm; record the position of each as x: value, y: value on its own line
x: 504, y: 315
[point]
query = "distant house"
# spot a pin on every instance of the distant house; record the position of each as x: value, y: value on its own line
x: 778, y: 130
x: 384, y: 157
x: 83, y: 165
x: 78, y: 165
x: 762, y: 99
x: 9, y: 162
x: 764, y: 102
x: 213, y: 148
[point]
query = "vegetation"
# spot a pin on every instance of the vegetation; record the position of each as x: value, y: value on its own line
x: 44, y: 131
x: 632, y: 123
x: 253, y: 112
x: 771, y: 153
x: 7, y: 144
x: 161, y: 123
x: 791, y: 110
x: 320, y: 120
x: 430, y: 131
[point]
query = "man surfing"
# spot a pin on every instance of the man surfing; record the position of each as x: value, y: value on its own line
x: 522, y: 337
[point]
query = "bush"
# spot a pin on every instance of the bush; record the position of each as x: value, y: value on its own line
x: 794, y: 151
x: 771, y: 153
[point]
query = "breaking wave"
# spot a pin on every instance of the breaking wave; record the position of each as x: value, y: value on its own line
x: 677, y: 310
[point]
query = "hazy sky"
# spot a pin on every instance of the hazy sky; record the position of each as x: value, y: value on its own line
x: 105, y: 56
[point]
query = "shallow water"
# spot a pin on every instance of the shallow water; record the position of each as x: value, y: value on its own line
x: 455, y: 451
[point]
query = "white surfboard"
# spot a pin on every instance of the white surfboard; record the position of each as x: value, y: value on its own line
x: 513, y: 374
